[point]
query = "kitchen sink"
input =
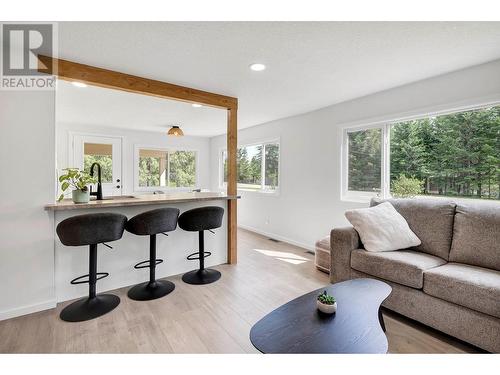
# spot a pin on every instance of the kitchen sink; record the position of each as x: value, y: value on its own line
x: 118, y: 197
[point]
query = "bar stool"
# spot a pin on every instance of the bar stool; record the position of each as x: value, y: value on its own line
x: 199, y: 220
x: 90, y: 229
x: 150, y: 223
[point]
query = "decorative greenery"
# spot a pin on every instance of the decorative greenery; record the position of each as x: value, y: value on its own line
x: 326, y: 298
x: 407, y: 187
x: 75, y: 178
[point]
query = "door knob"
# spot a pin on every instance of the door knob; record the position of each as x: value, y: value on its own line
x: 117, y: 186
x: 117, y: 180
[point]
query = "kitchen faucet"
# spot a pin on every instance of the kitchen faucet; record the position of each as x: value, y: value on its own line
x: 98, y: 193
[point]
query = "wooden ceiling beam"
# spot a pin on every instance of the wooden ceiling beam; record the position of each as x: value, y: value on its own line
x: 72, y: 71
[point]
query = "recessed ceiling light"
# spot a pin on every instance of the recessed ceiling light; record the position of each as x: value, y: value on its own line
x: 78, y: 84
x: 257, y: 67
x: 196, y: 105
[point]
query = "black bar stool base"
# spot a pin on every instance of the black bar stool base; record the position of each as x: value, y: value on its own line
x: 151, y: 290
x: 89, y: 308
x: 199, y: 277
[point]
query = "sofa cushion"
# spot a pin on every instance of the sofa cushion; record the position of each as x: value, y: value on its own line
x: 476, y: 235
x: 474, y: 287
x: 430, y: 219
x: 404, y: 267
x: 382, y: 228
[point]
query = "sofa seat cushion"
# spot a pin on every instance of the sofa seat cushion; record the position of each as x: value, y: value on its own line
x: 404, y: 267
x: 474, y: 287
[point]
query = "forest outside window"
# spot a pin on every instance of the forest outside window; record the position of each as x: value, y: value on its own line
x: 452, y: 155
x: 158, y: 168
x: 257, y: 167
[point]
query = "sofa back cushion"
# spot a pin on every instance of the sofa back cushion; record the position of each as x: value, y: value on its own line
x: 430, y: 219
x: 476, y: 235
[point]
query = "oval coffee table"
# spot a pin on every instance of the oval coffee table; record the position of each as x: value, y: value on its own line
x: 356, y: 327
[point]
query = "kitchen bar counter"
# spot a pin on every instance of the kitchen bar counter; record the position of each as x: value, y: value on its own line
x: 140, y: 200
x: 71, y: 262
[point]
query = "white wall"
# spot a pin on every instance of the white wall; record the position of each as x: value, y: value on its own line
x: 131, y: 138
x: 27, y: 183
x: 309, y: 203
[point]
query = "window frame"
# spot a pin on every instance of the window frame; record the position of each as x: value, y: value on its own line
x: 168, y: 150
x: 385, y: 125
x: 365, y: 196
x: 263, y: 189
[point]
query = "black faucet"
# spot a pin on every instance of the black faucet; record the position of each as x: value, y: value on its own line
x: 98, y: 193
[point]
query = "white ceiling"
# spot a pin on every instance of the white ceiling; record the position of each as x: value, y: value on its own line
x: 309, y: 64
x: 94, y: 105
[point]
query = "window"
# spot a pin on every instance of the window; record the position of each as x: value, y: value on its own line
x: 102, y: 154
x: 158, y: 168
x: 257, y: 167
x: 87, y: 149
x: 454, y: 155
x: 182, y: 171
x: 365, y: 157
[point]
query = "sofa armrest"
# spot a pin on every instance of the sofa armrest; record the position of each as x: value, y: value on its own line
x: 342, y: 242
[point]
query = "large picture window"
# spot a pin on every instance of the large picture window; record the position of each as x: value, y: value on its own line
x: 453, y: 155
x: 257, y: 167
x: 157, y: 168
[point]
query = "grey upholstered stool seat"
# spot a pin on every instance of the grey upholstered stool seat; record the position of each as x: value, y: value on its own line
x: 91, y: 230
x: 199, y: 220
x: 151, y: 223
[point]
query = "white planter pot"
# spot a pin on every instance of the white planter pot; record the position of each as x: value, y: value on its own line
x: 327, y: 309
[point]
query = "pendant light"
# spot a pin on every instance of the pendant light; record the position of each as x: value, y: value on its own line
x: 175, y: 131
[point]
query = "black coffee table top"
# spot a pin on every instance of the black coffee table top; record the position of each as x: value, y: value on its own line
x: 298, y: 327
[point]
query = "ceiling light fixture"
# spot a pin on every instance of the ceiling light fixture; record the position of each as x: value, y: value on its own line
x: 175, y: 131
x: 257, y: 67
x: 78, y: 84
x: 196, y: 105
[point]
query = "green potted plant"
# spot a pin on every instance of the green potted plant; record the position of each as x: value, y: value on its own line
x: 79, y: 181
x: 326, y: 303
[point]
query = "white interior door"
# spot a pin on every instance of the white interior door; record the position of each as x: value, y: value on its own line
x: 107, y: 151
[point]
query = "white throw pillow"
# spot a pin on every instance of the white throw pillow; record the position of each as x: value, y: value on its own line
x: 382, y: 228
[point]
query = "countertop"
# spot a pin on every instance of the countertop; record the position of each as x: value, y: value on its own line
x: 140, y: 200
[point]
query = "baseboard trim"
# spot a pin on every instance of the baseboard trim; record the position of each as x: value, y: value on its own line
x: 277, y: 237
x: 24, y: 310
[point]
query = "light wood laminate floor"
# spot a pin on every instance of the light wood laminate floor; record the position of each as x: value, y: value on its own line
x: 213, y: 318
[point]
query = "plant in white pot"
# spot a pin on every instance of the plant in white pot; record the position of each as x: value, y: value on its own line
x: 326, y: 303
x: 79, y: 181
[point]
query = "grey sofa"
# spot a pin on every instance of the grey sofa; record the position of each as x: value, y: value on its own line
x: 450, y: 282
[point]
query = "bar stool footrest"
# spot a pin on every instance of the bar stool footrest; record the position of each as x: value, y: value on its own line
x: 147, y: 263
x: 100, y: 275
x: 196, y: 256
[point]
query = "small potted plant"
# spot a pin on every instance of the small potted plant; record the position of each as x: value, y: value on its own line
x: 79, y: 181
x: 326, y: 303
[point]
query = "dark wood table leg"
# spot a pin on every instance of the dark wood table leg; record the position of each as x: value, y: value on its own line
x: 381, y: 319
